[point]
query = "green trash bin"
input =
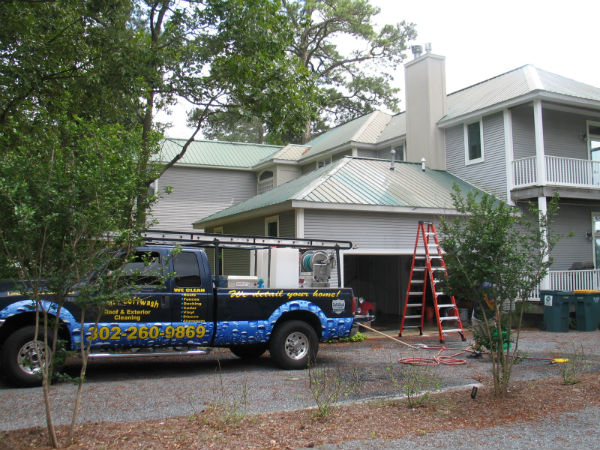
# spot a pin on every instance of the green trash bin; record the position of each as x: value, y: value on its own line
x: 557, y: 305
x: 587, y: 309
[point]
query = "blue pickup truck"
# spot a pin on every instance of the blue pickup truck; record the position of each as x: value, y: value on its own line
x: 189, y: 311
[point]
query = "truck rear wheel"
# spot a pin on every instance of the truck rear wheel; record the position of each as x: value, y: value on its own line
x: 294, y: 345
x: 22, y: 357
x: 250, y: 351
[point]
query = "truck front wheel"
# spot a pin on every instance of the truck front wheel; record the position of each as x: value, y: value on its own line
x: 23, y: 356
x: 294, y: 345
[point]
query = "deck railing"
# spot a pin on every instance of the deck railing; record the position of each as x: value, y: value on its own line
x: 571, y: 172
x: 569, y: 280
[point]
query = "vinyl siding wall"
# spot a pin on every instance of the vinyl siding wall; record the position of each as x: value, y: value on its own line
x: 562, y: 133
x: 489, y: 175
x: 198, y: 193
x: 575, y: 220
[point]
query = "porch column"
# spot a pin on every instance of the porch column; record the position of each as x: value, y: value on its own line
x: 299, y: 222
x: 543, y: 207
x: 540, y: 160
x: 508, y: 154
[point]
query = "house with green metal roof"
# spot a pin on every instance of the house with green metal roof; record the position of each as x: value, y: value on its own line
x: 521, y: 136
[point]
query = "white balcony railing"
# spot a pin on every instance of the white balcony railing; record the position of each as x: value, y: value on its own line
x: 570, y: 280
x: 561, y: 171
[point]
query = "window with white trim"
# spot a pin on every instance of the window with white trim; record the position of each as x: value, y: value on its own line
x: 265, y: 182
x: 323, y: 162
x: 272, y: 226
x: 400, y: 153
x: 473, y: 142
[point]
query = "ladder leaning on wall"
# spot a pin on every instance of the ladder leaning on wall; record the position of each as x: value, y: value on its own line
x: 428, y: 260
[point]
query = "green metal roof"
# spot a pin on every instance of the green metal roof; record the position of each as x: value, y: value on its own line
x: 365, y: 129
x: 360, y: 181
x: 216, y: 153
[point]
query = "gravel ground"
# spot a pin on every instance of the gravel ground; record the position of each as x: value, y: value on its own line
x: 133, y: 390
x: 573, y: 430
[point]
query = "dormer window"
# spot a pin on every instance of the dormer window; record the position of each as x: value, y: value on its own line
x: 474, y: 142
x: 400, y: 154
x: 265, y: 182
x: 323, y: 162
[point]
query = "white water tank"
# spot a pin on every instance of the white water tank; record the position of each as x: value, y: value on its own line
x: 284, y: 268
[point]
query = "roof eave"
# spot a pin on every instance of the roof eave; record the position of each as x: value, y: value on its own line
x: 535, y: 95
x: 373, y: 208
x: 252, y: 214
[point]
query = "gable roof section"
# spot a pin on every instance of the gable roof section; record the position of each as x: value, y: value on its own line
x: 357, y: 182
x: 216, y: 153
x: 365, y: 129
x: 512, y: 85
x: 395, y: 128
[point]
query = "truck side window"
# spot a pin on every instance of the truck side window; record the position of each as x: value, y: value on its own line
x: 186, y: 270
x: 144, y: 269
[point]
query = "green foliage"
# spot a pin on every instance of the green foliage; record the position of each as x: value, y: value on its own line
x: 327, y: 387
x: 358, y: 337
x: 495, y: 255
x: 415, y: 382
x: 350, y: 84
x: 574, y: 365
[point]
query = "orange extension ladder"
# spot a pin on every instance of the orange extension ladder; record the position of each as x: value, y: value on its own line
x: 428, y: 259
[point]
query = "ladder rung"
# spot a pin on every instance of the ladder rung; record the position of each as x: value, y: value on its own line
x: 413, y: 305
x: 446, y: 305
x: 417, y: 281
x: 448, y: 318
x: 415, y: 293
x: 412, y: 326
x: 419, y: 268
x: 413, y: 317
x: 454, y: 330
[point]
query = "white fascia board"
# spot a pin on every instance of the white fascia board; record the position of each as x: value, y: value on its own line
x: 374, y: 208
x: 206, y: 166
x: 536, y: 95
x: 259, y: 212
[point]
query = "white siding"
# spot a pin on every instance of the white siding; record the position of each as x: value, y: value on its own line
x: 198, y: 193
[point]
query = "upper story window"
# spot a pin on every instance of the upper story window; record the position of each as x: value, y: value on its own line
x: 323, y: 162
x: 474, y: 142
x: 272, y: 226
x: 400, y: 154
x: 265, y: 182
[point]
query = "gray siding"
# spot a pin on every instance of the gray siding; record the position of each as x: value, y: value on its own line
x: 562, y: 134
x: 367, y: 153
x: 523, y: 132
x: 198, y: 193
x: 575, y: 220
x: 366, y: 230
x: 489, y: 175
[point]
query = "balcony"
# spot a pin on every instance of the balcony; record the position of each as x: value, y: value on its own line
x: 563, y: 172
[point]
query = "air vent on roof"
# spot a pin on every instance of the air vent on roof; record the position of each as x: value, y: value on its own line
x: 417, y: 50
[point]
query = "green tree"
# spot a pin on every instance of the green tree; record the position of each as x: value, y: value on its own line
x: 71, y: 142
x: 217, y: 54
x: 496, y: 254
x: 351, y: 82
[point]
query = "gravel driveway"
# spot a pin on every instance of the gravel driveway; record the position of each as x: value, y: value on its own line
x: 133, y: 390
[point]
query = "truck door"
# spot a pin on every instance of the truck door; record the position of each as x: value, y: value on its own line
x: 193, y: 305
x: 140, y: 319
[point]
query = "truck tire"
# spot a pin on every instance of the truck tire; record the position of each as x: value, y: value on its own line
x: 294, y: 345
x: 250, y: 351
x: 20, y: 358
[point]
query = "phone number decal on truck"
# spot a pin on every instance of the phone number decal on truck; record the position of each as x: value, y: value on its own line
x: 115, y: 334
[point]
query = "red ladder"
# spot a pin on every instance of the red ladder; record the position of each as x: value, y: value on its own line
x: 427, y: 258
